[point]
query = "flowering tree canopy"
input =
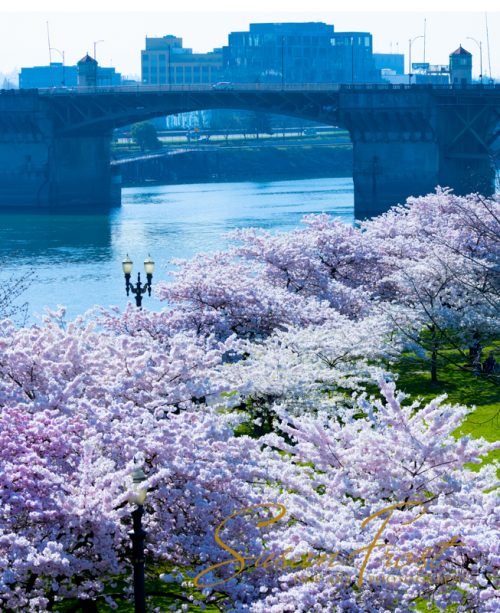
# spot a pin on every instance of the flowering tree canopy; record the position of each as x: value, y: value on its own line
x: 352, y: 497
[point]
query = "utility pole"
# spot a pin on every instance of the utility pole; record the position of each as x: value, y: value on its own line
x: 352, y: 60
x: 48, y: 40
x: 425, y: 28
x: 96, y: 42
x: 282, y: 62
x: 168, y: 67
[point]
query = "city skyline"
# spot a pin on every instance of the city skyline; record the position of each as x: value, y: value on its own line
x: 121, y: 35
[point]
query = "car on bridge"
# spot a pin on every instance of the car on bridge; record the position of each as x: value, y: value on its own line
x: 223, y: 85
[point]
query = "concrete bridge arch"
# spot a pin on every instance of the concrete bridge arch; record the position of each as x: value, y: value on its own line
x: 406, y: 140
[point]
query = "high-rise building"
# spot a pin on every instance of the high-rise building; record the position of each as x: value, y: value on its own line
x: 165, y: 61
x: 299, y: 53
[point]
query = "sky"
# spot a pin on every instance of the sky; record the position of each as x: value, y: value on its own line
x: 122, y: 29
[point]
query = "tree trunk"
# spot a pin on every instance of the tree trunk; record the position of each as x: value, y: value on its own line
x: 434, y: 375
x: 475, y: 354
x: 434, y: 355
x: 88, y: 606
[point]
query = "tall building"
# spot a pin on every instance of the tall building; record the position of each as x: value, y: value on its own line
x: 298, y: 53
x: 165, y: 61
x: 460, y: 66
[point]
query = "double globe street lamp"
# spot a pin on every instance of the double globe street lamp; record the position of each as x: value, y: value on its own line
x: 138, y: 289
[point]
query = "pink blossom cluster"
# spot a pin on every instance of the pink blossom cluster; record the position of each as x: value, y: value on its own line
x: 298, y: 325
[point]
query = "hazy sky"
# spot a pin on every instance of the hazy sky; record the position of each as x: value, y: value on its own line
x: 23, y: 32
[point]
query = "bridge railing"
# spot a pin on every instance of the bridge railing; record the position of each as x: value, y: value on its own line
x: 247, y: 87
x: 198, y: 87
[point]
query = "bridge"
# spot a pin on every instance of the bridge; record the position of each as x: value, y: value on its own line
x: 55, y: 144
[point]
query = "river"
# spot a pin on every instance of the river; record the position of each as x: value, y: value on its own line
x: 76, y: 257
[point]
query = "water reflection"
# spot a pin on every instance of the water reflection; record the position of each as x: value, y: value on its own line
x: 40, y: 236
x: 77, y: 257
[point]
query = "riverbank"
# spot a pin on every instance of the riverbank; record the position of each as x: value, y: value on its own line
x: 227, y: 164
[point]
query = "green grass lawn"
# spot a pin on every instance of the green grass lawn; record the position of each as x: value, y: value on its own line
x: 462, y: 387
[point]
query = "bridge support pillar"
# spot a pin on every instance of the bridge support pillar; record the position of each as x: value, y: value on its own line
x: 385, y: 173
x: 39, y: 169
x: 466, y: 135
x: 80, y: 172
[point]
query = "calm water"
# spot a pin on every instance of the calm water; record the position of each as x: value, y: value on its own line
x: 77, y: 257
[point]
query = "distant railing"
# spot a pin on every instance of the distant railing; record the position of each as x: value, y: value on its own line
x: 227, y: 88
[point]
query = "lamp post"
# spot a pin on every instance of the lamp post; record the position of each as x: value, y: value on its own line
x: 137, y: 536
x: 61, y: 53
x: 138, y: 289
x: 410, y: 43
x: 480, y: 45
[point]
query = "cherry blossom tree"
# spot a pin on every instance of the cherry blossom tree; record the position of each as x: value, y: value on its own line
x: 440, y: 254
x: 338, y: 501
x: 12, y: 288
x: 395, y: 479
x: 72, y: 428
x: 307, y: 369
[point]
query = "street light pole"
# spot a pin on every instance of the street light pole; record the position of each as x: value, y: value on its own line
x: 410, y: 43
x: 282, y: 62
x: 480, y: 45
x: 61, y: 53
x: 138, y: 289
x: 137, y: 536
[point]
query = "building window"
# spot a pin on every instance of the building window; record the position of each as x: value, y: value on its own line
x: 179, y: 77
x: 188, y: 77
x: 196, y: 74
x: 145, y: 58
x: 162, y: 58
